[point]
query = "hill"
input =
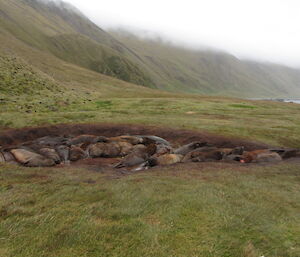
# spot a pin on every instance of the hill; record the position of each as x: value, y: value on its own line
x: 210, y: 72
x: 56, y: 29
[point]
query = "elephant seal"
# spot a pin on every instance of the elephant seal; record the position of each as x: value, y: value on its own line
x: 31, y: 159
x: 147, y: 139
x: 162, y: 149
x: 137, y: 156
x: 50, y: 141
x: 51, y: 154
x: 190, y: 147
x: 90, y: 139
x: 64, y: 152
x: 2, y: 159
x: 76, y: 153
x: 125, y: 148
x: 166, y: 159
x: 134, y: 140
x: 260, y: 156
x: 204, y: 156
x: 287, y: 153
x: 111, y: 149
x: 8, y: 157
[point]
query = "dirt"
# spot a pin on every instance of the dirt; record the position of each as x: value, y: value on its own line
x: 175, y: 136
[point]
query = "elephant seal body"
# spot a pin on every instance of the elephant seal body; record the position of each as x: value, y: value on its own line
x: 147, y: 139
x: 166, y: 159
x: 139, y: 155
x: 87, y: 139
x: 50, y: 141
x: 183, y: 150
x: 76, y: 153
x: 133, y: 140
x: 204, y: 156
x: 31, y: 159
x: 261, y: 156
x: 2, y: 159
x: 51, y: 154
x: 110, y: 149
x: 63, y: 152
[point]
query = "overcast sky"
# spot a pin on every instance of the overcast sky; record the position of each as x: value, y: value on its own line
x: 267, y: 30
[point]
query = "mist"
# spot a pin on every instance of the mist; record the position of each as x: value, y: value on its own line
x: 263, y: 30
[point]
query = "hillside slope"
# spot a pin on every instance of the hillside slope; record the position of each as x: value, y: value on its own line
x: 64, y: 32
x: 58, y: 29
x: 210, y: 72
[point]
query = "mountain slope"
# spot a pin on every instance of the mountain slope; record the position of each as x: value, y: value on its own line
x: 209, y: 72
x: 64, y: 32
x: 60, y: 30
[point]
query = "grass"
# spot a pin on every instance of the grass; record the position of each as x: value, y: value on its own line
x: 169, y: 212
x: 261, y: 122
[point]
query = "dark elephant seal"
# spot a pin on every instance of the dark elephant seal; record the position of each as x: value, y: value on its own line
x: 139, y: 155
x: 63, y: 152
x: 287, y: 153
x: 9, y: 158
x: 51, y: 154
x: 2, y: 159
x: 87, y: 139
x: 148, y: 139
x: 31, y: 159
x: 50, y: 141
x: 189, y: 147
x: 76, y: 153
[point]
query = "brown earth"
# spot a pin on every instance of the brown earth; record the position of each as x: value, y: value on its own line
x: 174, y: 136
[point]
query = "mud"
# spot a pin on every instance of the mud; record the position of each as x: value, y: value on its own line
x: 175, y: 136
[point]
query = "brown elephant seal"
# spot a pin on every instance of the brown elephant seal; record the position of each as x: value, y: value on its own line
x: 89, y: 139
x: 111, y: 150
x: 162, y: 149
x: 166, y: 159
x: 183, y: 150
x: 204, y: 156
x: 260, y: 156
x: 51, y: 154
x: 31, y: 159
x: 134, y: 140
x: 76, y: 153
x: 125, y: 148
x: 64, y: 153
x: 139, y: 155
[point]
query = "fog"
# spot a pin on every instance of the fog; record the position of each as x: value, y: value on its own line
x: 264, y: 30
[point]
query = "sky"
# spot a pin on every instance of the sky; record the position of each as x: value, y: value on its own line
x: 264, y: 30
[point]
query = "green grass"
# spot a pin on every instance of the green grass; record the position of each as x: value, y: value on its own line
x: 180, y: 211
x: 272, y: 123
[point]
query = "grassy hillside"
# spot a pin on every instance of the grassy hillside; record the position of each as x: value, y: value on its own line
x: 61, y: 30
x: 209, y: 72
x: 67, y: 34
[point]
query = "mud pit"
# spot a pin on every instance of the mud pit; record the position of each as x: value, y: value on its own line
x: 11, y: 139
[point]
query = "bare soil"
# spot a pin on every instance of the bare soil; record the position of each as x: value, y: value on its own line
x: 174, y: 136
